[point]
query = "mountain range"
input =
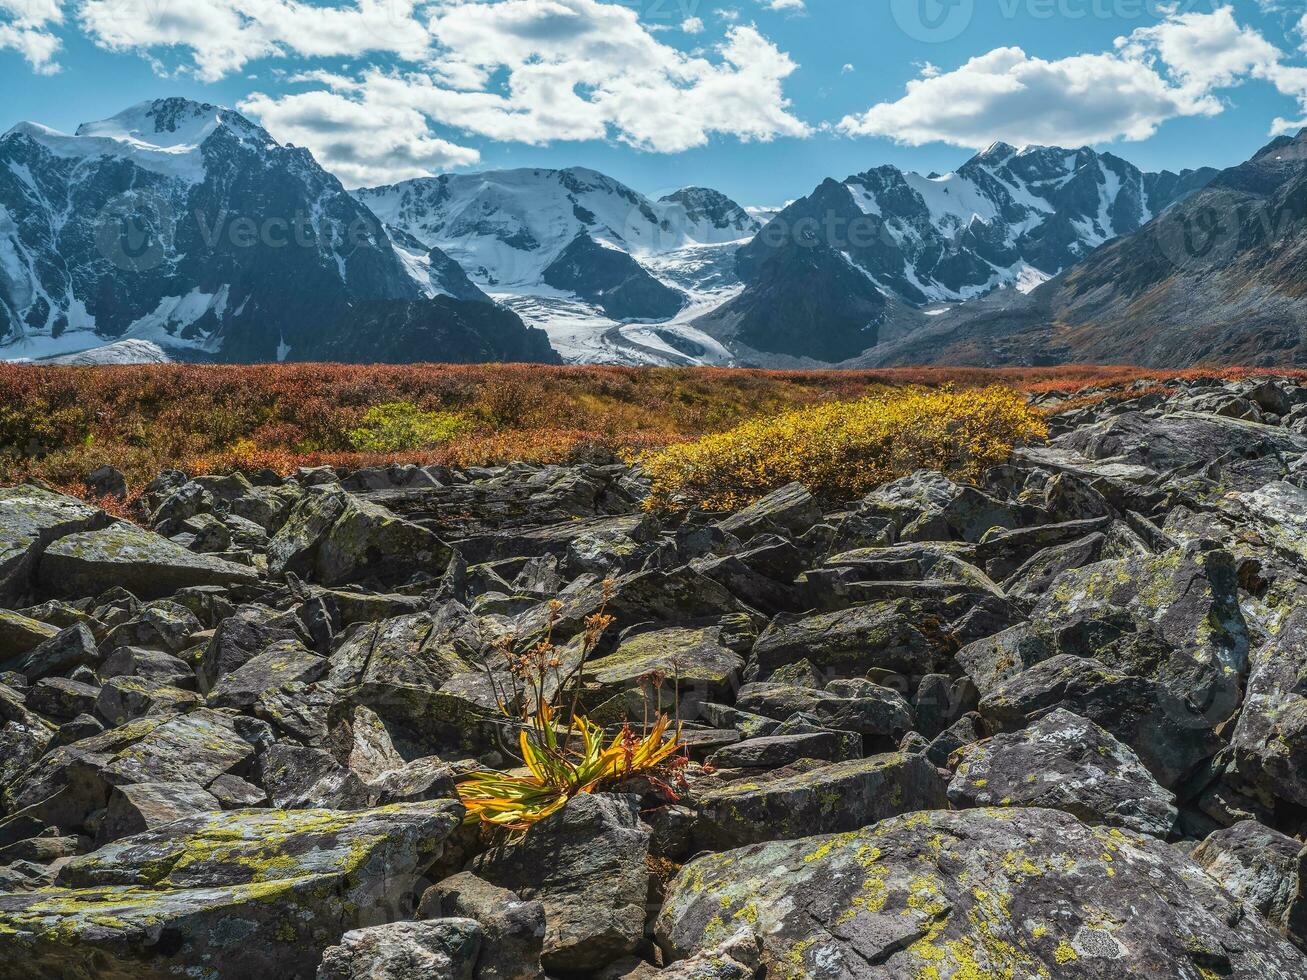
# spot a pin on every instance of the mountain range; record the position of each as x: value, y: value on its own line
x: 183, y: 230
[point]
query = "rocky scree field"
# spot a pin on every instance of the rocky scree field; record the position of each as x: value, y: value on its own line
x: 1045, y: 723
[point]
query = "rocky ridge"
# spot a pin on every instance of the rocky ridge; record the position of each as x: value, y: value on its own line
x: 1047, y: 726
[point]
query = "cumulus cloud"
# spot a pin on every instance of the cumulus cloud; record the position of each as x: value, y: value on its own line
x: 792, y: 6
x: 25, y: 27
x: 539, y: 71
x: 1173, y: 69
x: 531, y: 71
x: 222, y: 36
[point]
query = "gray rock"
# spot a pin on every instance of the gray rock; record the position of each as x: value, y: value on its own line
x: 1064, y: 762
x: 123, y: 556
x: 977, y: 893
x: 441, y: 948
x: 147, y: 806
x: 1270, y: 738
x: 67, y: 649
x: 874, y: 711
x: 790, y: 509
x: 774, y: 751
x: 831, y: 798
x: 1259, y: 866
x: 332, y: 538
x: 849, y: 641
x: 31, y: 518
x: 1171, y: 736
x: 283, y: 662
x: 514, y: 929
x: 262, y: 892
x: 586, y: 866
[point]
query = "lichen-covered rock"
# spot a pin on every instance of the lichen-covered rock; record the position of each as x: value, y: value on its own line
x: 30, y: 518
x: 283, y: 662
x: 978, y: 893
x: 1174, y: 618
x: 791, y: 509
x: 124, y: 556
x: 440, y: 948
x: 20, y: 635
x: 586, y: 866
x: 928, y: 506
x: 1171, y: 735
x: 1270, y: 738
x: 1259, y: 866
x: 247, y: 893
x: 703, y: 660
x: 1064, y: 762
x: 830, y: 798
x: 69, y: 648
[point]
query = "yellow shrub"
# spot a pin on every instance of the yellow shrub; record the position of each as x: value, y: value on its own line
x: 843, y: 450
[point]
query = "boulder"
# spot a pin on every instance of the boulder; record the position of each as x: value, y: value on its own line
x: 89, y: 563
x: 1270, y: 738
x: 928, y: 506
x: 586, y: 866
x: 1171, y: 736
x: 976, y: 893
x: 871, y: 710
x: 514, y: 929
x: 791, y: 510
x: 67, y: 649
x: 895, y: 636
x: 333, y: 538
x: 1064, y: 762
x: 145, y: 806
x: 1261, y: 867
x: 831, y: 798
x: 262, y: 892
x: 702, y: 662
x: 19, y: 636
x: 441, y: 948
x: 31, y: 518
x: 284, y: 662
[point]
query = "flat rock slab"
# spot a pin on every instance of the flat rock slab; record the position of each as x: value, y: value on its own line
x: 249, y: 893
x: 973, y: 894
x: 149, y: 566
x: 838, y: 797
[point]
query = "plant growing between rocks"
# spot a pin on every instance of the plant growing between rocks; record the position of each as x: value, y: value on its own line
x: 565, y: 754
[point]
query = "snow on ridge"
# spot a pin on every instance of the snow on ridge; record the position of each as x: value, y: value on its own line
x: 164, y: 136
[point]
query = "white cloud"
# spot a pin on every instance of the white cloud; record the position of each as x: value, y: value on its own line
x: 539, y: 71
x: 846, y: 69
x: 25, y: 27
x: 224, y: 35
x: 793, y: 6
x: 692, y: 25
x: 361, y: 142
x: 1167, y: 71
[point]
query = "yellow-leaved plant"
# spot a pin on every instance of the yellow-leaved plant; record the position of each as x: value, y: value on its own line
x: 563, y: 753
x: 843, y: 450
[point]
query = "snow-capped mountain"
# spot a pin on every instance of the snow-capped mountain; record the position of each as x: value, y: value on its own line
x: 886, y: 244
x: 579, y: 253
x: 186, y: 225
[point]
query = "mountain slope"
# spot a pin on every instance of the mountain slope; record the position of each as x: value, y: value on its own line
x: 574, y: 250
x: 1006, y: 218
x: 1221, y: 277
x: 187, y: 225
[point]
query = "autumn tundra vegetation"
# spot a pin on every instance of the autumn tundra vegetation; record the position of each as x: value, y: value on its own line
x: 59, y: 423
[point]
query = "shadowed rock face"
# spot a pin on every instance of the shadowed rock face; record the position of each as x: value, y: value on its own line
x: 1049, y: 725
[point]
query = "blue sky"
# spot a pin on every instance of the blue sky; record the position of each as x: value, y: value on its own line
x: 759, y: 98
